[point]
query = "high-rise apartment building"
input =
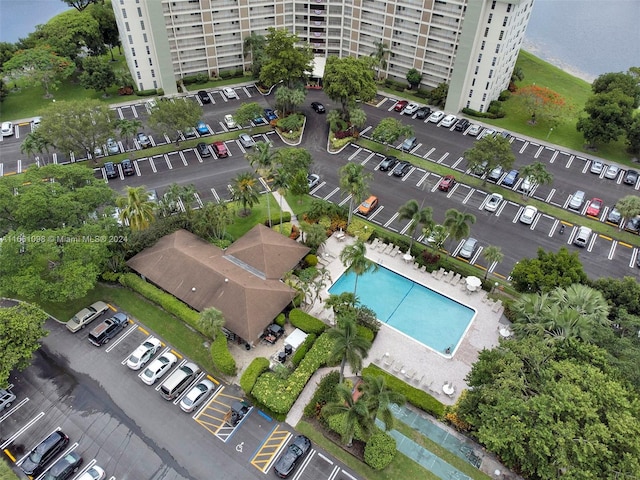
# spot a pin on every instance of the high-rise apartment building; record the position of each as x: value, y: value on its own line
x: 470, y: 44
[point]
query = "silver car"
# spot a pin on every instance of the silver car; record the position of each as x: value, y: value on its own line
x: 612, y: 172
x: 493, y: 202
x: 468, y: 248
x: 577, y: 200
x: 196, y: 395
x: 158, y: 368
x: 246, y: 140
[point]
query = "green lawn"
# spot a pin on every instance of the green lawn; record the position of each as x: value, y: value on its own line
x: 6, y: 473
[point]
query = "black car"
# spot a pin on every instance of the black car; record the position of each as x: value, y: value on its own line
x: 388, y: 163
x: 110, y: 170
x: 143, y: 140
x: 423, y: 112
x: 318, y: 107
x: 402, y: 169
x: 127, y: 167
x: 614, y: 216
x: 631, y: 177
x: 292, y: 455
x: 461, y: 125
x: 64, y: 468
x: 108, y: 329
x: 43, y: 453
x: 204, y: 96
x: 203, y: 149
x: 633, y: 225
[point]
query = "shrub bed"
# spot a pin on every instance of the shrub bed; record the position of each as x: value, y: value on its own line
x: 325, y: 393
x: 279, y: 395
x: 303, y: 349
x: 365, y: 332
x: 221, y: 356
x: 256, y: 368
x: 380, y: 450
x: 414, y: 396
x: 280, y: 320
x: 306, y: 322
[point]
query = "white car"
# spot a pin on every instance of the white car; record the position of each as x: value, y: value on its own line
x: 474, y: 130
x: 35, y: 123
x: 612, y: 172
x: 93, y: 473
x: 229, y: 92
x: 528, y: 214
x: 448, y: 121
x: 196, y: 395
x: 7, y: 129
x: 229, y: 121
x: 435, y: 117
x: 488, y: 132
x: 493, y: 202
x: 526, y: 185
x: 158, y: 368
x: 411, y: 109
x: 143, y: 353
x: 596, y: 167
x: 112, y: 146
x: 313, y: 180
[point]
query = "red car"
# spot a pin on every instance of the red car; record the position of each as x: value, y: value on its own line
x: 398, y: 107
x: 446, y: 183
x: 220, y: 149
x: 595, y: 205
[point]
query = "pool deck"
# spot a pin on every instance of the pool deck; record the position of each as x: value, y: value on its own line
x: 400, y: 354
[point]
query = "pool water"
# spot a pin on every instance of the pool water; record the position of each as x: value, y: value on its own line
x: 429, y: 317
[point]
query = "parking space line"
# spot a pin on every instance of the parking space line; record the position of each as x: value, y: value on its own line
x: 553, y: 157
x: 64, y: 454
x: 215, y: 194
x: 355, y: 154
x: 14, y: 408
x: 469, y: 195
x: 612, y: 250
x: 433, y: 149
x: 21, y: 431
x: 143, y: 330
x: 441, y: 159
x: 537, y: 154
x: 524, y: 146
x: 395, y: 215
x: 121, y: 338
x: 346, y: 199
x: 364, y: 162
x: 266, y: 453
x: 424, y: 177
x: 570, y: 161
x: 457, y: 162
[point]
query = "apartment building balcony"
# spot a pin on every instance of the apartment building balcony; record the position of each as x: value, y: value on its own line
x: 375, y: 18
x: 446, y: 36
x: 371, y: 30
x: 445, y: 21
x: 374, y: 6
x: 178, y: 44
x: 454, y: 10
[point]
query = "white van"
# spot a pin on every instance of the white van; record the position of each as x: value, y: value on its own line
x: 582, y: 237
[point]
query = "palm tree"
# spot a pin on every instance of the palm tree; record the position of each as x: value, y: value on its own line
x: 418, y: 216
x: 244, y: 190
x: 588, y: 302
x: 211, y: 321
x: 457, y: 223
x: 136, y: 208
x: 254, y: 45
x: 358, y: 117
x: 538, y: 174
x: 34, y: 143
x: 128, y: 128
x: 492, y: 254
x: 380, y: 55
x: 531, y: 312
x: 355, y: 411
x: 629, y: 207
x: 348, y: 346
x: 379, y: 398
x: 353, y: 180
x: 354, y: 258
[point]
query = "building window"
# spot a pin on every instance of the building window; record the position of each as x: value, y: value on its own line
x: 470, y: 93
x: 493, y: 5
x: 468, y: 104
x: 490, y: 73
x: 139, y: 76
x: 148, y: 50
x: 155, y: 84
x: 153, y: 73
x: 479, y: 58
x: 490, y: 18
x: 501, y: 35
x: 133, y: 52
x: 130, y: 40
x: 124, y: 13
x: 482, y: 108
x: 486, y: 31
x: 473, y: 82
x: 493, y: 62
x: 142, y: 24
x: 121, y: 2
x: 508, y: 7
x: 135, y: 63
x: 139, y: 12
x: 477, y: 68
x: 504, y: 23
x: 498, y: 48
x: 144, y: 37
x: 150, y: 62
x: 483, y: 44
x: 484, y: 97
x: 126, y: 26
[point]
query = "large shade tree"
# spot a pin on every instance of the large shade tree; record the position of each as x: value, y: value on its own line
x: 347, y: 80
x: 172, y: 117
x: 136, y: 209
x: 285, y: 59
x: 488, y: 153
x: 548, y: 271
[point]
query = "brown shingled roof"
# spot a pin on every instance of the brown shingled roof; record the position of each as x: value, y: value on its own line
x: 202, y: 275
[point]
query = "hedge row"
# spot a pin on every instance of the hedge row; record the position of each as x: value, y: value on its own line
x: 279, y: 395
x: 257, y: 367
x: 221, y: 356
x: 302, y: 350
x: 380, y: 450
x: 305, y: 322
x: 280, y: 320
x: 414, y: 396
x: 365, y: 332
x: 325, y: 393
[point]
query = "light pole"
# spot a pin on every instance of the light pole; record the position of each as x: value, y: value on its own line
x: 549, y: 134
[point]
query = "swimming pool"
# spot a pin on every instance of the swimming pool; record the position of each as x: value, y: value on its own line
x: 429, y: 317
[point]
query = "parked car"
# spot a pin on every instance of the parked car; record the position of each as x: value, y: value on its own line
x: 220, y: 149
x: 64, y: 467
x: 318, y: 107
x: 259, y: 120
x: 462, y: 124
x: 6, y: 398
x: 401, y: 169
x: 158, y: 368
x: 448, y: 121
x: 595, y: 205
x: 510, y: 179
x: 495, y: 174
x: 93, y: 473
x: 528, y: 214
x: 40, y: 455
x: 435, y: 117
x: 143, y: 353
x: 488, y: 132
x: 190, y: 132
x: 493, y: 202
x: 409, y: 143
x: 526, y: 185
x: 633, y: 225
x: 203, y: 149
x: 7, y: 129
x: 292, y: 456
x: 388, y: 163
x: 127, y: 167
x: 368, y: 206
x: 411, y: 108
x: 87, y: 315
x: 480, y: 168
x: 577, y: 200
x: 143, y: 140
x: 229, y: 92
x: 423, y: 112
x: 246, y: 140
x: 614, y: 216
x: 468, y: 248
x: 196, y: 395
x: 313, y: 180
x: 110, y: 170
x: 204, y: 96
x: 179, y: 380
x: 270, y: 114
x: 229, y: 121
x: 631, y: 177
x: 202, y: 127
x: 596, y: 167
x: 612, y: 172
x: 35, y: 122
x: 505, y: 134
x: 474, y: 130
x: 112, y: 146
x: 108, y: 329
x: 400, y: 104
x: 582, y: 237
x: 446, y: 183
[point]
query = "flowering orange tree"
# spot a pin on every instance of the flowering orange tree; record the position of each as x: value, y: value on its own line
x: 543, y: 103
